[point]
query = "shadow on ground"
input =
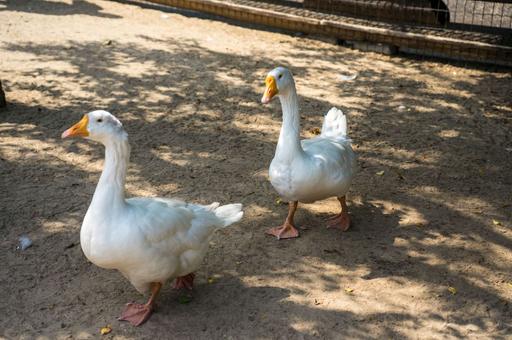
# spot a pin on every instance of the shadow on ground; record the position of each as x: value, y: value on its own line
x: 55, y: 8
x: 198, y: 132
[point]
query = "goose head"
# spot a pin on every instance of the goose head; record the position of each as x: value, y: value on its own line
x: 279, y: 82
x: 99, y: 126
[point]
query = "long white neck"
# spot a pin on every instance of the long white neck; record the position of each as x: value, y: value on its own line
x: 288, y: 145
x: 109, y: 194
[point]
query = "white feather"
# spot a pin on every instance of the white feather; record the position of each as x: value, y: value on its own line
x: 335, y: 124
x: 229, y: 214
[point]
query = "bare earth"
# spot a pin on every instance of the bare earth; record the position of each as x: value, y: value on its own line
x: 431, y: 204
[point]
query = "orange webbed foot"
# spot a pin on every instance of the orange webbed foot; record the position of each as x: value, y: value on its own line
x: 287, y: 230
x: 136, y: 314
x: 341, y: 221
x: 186, y: 281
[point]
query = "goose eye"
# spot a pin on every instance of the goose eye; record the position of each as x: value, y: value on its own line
x: 99, y: 120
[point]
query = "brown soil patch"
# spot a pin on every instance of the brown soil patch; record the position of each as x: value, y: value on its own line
x: 187, y: 89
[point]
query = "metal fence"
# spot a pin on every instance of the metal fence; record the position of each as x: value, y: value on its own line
x: 473, y: 30
x: 443, y: 13
x: 484, y: 22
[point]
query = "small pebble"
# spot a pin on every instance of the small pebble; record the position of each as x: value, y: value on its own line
x: 25, y: 242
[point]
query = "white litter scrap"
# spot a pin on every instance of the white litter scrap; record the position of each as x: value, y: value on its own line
x: 344, y: 77
x: 25, y: 242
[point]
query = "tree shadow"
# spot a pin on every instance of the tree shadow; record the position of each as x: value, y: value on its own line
x: 55, y: 8
x: 186, y: 144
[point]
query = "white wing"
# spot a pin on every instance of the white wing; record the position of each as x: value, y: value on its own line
x: 160, y: 219
x: 168, y: 238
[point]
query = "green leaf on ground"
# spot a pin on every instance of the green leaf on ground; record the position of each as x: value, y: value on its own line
x: 184, y: 299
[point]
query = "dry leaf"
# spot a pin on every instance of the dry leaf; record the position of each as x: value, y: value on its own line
x: 105, y: 330
x: 496, y: 222
x: 452, y: 290
x: 349, y: 290
x: 211, y: 280
x: 279, y: 201
x: 380, y: 173
x: 315, y: 131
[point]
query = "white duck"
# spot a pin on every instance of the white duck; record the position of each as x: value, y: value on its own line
x: 311, y: 169
x: 149, y: 240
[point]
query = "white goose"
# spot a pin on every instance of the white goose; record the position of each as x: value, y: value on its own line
x: 312, y: 169
x: 149, y: 240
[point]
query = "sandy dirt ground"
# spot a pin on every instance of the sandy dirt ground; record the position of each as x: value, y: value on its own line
x: 429, y: 254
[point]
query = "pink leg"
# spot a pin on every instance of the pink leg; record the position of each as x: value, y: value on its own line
x: 186, y: 281
x: 136, y: 313
x: 287, y: 230
x: 342, y: 220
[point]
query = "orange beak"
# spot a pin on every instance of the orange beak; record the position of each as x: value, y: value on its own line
x: 78, y: 130
x: 270, y: 91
